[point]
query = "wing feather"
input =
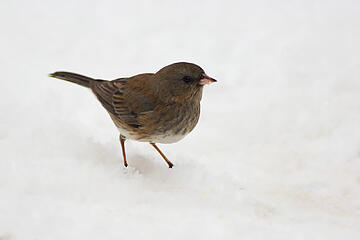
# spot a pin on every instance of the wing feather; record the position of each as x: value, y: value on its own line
x: 123, y: 103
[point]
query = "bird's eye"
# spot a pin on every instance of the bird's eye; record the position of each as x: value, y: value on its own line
x: 187, y: 79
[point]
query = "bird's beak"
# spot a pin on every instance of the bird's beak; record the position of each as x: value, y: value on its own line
x: 205, y: 79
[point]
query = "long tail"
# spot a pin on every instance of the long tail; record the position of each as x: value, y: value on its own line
x: 73, y: 77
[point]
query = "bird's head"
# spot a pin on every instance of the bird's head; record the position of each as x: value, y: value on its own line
x: 181, y: 81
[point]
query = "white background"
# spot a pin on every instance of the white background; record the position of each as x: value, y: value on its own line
x: 276, y: 154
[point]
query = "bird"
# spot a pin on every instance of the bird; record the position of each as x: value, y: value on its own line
x: 161, y: 107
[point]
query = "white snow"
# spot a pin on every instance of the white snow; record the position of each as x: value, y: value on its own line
x: 276, y: 153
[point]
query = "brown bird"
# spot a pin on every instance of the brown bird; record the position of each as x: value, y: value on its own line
x: 156, y: 108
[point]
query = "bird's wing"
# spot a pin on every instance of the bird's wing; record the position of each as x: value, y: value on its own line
x: 124, y: 102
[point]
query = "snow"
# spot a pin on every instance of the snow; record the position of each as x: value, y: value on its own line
x: 275, y: 154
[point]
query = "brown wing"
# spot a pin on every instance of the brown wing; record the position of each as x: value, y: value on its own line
x: 124, y: 103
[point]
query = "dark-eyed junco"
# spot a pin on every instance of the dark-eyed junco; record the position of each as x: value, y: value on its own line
x: 156, y: 108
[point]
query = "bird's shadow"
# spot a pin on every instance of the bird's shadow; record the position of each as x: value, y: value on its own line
x: 148, y: 165
x: 110, y: 155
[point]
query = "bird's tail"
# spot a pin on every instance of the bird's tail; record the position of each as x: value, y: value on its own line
x: 73, y: 77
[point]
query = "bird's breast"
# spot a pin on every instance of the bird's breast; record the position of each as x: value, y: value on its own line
x: 176, y: 123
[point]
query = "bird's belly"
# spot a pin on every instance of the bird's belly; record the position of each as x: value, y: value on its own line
x: 168, y: 137
x: 125, y: 133
x: 162, y: 138
x: 165, y: 128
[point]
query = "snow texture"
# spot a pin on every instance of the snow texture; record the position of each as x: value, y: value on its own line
x: 276, y: 153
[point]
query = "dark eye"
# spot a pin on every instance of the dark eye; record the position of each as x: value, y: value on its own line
x: 187, y: 79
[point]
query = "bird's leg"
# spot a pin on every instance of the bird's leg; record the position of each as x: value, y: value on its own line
x: 165, y: 158
x: 122, y: 142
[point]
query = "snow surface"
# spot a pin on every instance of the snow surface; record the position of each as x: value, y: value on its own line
x: 276, y: 154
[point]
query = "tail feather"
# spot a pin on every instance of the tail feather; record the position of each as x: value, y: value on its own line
x: 73, y: 77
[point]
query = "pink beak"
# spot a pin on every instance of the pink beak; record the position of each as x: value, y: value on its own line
x: 206, y: 80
